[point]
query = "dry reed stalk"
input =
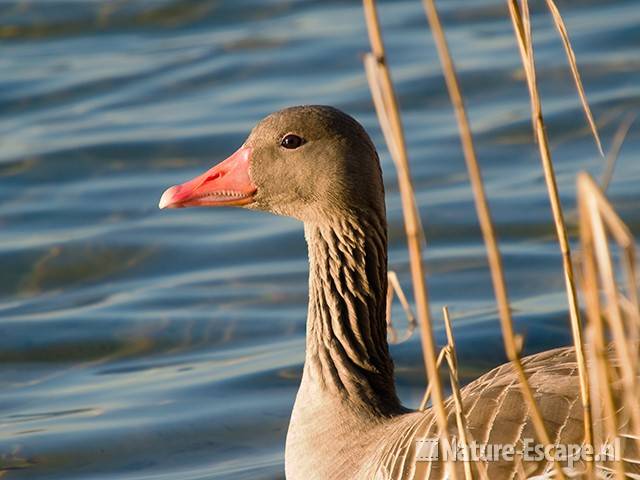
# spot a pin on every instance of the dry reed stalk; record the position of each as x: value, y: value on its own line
x: 564, y: 35
x: 452, y: 361
x: 387, y: 110
x: 616, y: 145
x: 522, y: 29
x: 625, y: 240
x: 607, y: 410
x: 520, y: 472
x: 394, y: 286
x: 602, y: 218
x: 427, y: 392
x: 486, y: 224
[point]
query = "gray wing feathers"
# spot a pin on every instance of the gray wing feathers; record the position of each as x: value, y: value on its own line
x: 496, y: 414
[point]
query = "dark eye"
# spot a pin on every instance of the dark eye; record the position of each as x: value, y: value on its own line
x: 291, y: 141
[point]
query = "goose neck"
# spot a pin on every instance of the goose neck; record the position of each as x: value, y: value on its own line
x: 347, y: 353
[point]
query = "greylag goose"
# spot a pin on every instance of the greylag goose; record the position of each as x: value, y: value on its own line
x: 318, y: 165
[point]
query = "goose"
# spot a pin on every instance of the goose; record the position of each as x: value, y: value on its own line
x: 318, y: 165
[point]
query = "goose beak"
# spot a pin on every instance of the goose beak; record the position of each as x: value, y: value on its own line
x: 226, y: 184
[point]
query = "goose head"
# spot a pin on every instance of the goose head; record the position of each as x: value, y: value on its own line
x: 312, y: 163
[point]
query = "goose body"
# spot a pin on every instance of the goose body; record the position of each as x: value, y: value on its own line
x: 318, y: 165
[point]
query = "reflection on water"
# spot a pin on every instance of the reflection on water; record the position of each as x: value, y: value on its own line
x: 139, y: 344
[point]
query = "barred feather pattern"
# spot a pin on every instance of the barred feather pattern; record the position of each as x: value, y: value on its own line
x: 347, y: 421
x: 497, y: 414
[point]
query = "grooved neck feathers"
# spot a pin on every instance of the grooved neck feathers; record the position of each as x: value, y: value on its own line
x: 347, y: 352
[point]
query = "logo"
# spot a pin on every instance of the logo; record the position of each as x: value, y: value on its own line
x: 434, y: 449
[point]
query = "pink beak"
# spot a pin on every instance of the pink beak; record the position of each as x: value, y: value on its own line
x: 226, y: 184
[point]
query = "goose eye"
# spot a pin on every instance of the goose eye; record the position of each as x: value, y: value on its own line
x: 291, y: 141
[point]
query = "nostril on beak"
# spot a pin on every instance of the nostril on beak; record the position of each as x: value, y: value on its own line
x: 214, y: 176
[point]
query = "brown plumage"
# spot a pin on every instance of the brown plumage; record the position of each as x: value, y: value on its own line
x: 347, y: 422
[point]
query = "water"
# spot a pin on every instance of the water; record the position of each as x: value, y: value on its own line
x: 137, y: 343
